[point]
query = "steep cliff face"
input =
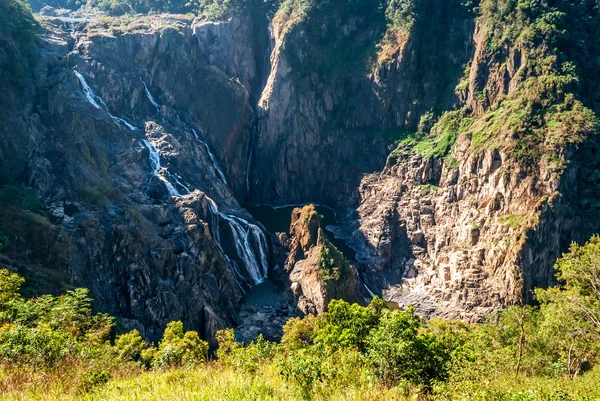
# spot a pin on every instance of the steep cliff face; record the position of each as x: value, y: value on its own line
x: 326, y: 102
x: 447, y: 143
x: 127, y: 127
x: 469, y: 218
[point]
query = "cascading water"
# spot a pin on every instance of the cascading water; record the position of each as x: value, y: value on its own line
x: 97, y: 101
x: 256, y: 265
x: 87, y: 91
x: 156, y: 168
x: 212, y: 157
x: 246, y: 235
x: 150, y: 97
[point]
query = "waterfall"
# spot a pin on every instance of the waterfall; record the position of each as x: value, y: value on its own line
x: 87, y: 91
x: 150, y: 97
x: 179, y: 183
x: 367, y: 288
x: 97, y: 101
x: 257, y: 266
x: 247, y: 236
x: 212, y: 157
x: 156, y: 167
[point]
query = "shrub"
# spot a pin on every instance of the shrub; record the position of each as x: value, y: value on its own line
x: 179, y: 349
x: 299, y: 332
x: 226, y: 343
x: 130, y: 346
x: 332, y: 264
x: 303, y: 369
x: 347, y: 325
x: 251, y: 356
x: 400, y: 349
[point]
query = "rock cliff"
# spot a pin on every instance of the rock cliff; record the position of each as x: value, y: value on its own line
x: 448, y: 154
x: 123, y: 134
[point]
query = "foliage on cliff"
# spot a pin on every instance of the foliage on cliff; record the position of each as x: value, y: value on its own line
x: 17, y: 52
x: 551, y: 105
x: 332, y: 264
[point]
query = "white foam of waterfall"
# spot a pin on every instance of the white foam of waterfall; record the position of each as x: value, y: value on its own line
x: 178, y: 182
x: 150, y: 97
x: 243, y: 233
x: 156, y: 168
x: 368, y: 289
x: 87, y: 91
x: 97, y: 101
x: 212, y: 157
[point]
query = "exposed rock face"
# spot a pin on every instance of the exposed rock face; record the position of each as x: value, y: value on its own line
x: 338, y: 114
x: 140, y: 138
x: 126, y: 134
x: 452, y: 241
x: 189, y: 68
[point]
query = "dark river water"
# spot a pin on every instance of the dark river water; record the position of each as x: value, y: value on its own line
x: 278, y: 220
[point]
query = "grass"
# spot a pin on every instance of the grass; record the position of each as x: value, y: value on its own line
x: 212, y: 382
x: 216, y: 382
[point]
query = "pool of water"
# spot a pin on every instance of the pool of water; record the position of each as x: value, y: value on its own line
x: 279, y: 219
x: 262, y: 294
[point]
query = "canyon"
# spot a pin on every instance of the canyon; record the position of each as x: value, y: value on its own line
x: 149, y: 138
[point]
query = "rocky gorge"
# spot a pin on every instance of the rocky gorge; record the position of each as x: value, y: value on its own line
x: 147, y: 137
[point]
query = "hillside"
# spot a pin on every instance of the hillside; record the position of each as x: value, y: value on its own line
x: 436, y: 156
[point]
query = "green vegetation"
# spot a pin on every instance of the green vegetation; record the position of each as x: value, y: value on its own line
x: 215, y: 9
x: 56, y: 348
x: 434, y: 140
x: 326, y: 37
x: 50, y: 337
x: 211, y: 9
x: 547, y: 112
x: 332, y: 264
x: 17, y: 52
x: 550, y: 107
x: 22, y: 198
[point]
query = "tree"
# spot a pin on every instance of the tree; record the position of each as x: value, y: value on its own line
x: 572, y: 313
x: 400, y: 348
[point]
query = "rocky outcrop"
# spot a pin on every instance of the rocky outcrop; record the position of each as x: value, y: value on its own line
x: 317, y: 271
x: 450, y: 241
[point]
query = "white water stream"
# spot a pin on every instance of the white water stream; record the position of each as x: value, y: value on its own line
x: 97, y: 101
x: 256, y: 265
x: 156, y: 168
x: 212, y: 157
x: 243, y: 231
x: 150, y: 97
